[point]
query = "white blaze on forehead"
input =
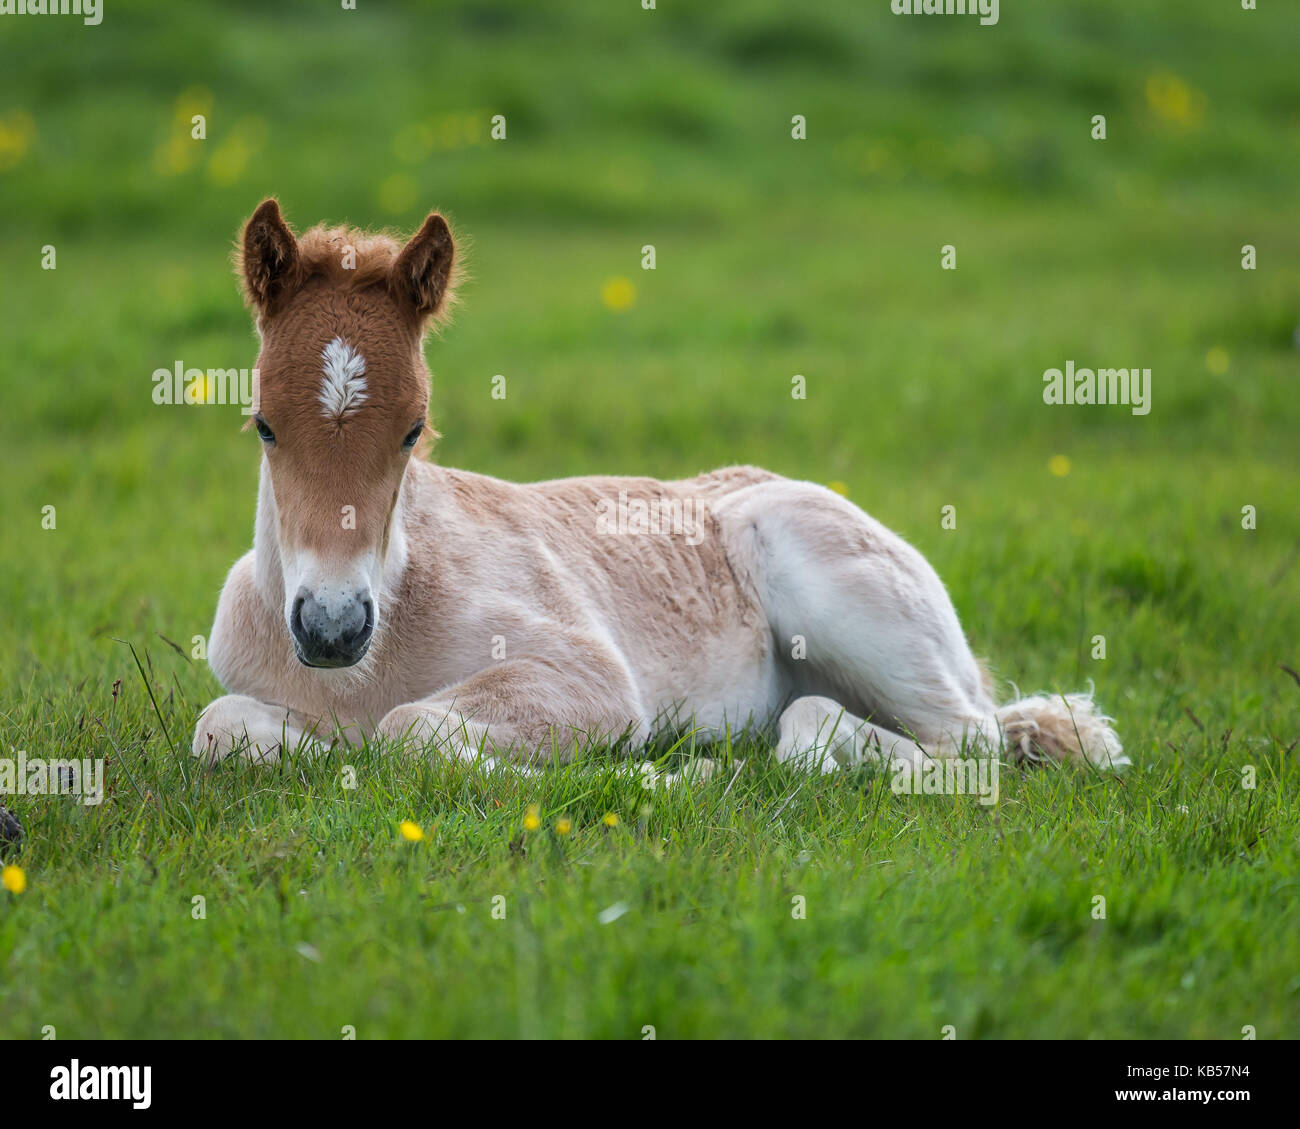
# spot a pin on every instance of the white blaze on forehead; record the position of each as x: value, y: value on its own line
x: 344, y: 385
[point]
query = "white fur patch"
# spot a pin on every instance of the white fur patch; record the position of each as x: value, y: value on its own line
x: 343, y: 386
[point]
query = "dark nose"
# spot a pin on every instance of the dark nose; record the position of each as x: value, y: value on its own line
x: 331, y: 632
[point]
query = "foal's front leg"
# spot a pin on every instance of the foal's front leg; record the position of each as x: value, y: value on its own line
x: 258, y: 731
x: 524, y: 709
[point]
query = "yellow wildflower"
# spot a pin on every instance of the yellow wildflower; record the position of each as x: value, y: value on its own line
x: 618, y: 294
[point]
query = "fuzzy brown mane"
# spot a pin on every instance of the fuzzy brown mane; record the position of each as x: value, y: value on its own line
x: 321, y: 255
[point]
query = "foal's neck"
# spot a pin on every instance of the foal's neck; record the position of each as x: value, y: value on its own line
x: 268, y: 571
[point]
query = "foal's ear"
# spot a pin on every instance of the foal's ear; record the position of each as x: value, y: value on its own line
x: 422, y: 274
x: 269, y: 257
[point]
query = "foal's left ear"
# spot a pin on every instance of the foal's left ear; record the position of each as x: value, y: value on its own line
x: 422, y: 274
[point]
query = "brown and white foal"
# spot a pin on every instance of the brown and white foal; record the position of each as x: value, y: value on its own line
x: 479, y: 618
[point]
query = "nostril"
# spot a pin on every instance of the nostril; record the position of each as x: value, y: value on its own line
x: 333, y: 633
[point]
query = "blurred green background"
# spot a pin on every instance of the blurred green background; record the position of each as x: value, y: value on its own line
x: 672, y: 127
x: 775, y: 257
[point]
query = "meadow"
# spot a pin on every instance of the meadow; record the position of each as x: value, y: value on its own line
x: 760, y: 902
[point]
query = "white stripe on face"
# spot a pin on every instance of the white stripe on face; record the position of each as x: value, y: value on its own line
x: 343, y: 386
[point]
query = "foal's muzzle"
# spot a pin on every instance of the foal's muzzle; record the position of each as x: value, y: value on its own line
x: 331, y: 633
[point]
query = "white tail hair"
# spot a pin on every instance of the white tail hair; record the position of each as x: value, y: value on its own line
x: 1060, y: 728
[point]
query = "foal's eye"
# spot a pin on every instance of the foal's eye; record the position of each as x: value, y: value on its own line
x: 412, y: 436
x: 268, y: 436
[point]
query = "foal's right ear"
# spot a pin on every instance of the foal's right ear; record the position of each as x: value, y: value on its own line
x: 268, y: 258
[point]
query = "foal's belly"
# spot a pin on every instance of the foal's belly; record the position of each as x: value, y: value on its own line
x: 711, y: 675
x: 749, y: 700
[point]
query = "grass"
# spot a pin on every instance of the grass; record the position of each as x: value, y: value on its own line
x: 920, y: 912
x: 775, y: 257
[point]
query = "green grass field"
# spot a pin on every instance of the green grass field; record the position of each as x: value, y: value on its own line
x: 775, y: 257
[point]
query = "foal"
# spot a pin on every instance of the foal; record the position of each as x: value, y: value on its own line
x: 388, y: 596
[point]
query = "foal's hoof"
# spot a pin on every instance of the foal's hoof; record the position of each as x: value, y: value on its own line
x: 11, y: 831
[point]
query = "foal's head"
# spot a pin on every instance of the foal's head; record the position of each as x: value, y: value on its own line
x: 341, y: 401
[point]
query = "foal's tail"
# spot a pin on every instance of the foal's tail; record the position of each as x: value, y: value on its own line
x: 1062, y: 728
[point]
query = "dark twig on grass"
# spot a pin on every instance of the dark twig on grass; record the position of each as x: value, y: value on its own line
x: 11, y: 831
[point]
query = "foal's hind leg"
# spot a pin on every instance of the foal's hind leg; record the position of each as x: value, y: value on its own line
x: 819, y: 733
x: 878, y: 632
